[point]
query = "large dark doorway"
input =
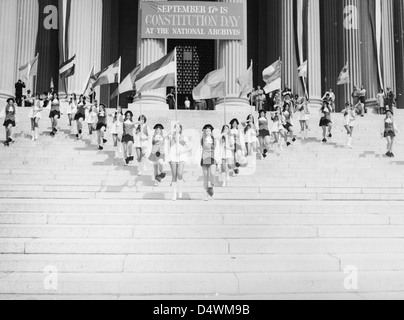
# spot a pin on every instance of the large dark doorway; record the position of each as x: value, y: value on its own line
x: 195, y: 59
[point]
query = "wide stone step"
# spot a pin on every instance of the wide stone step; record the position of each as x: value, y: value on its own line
x: 171, y: 264
x: 173, y: 219
x: 225, y: 284
x: 203, y: 246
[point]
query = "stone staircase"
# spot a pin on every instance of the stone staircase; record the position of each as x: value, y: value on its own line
x: 289, y: 230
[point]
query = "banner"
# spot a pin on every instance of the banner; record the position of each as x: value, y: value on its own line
x: 192, y: 20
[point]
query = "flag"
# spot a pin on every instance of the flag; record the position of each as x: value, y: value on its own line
x: 68, y: 68
x: 344, y: 76
x: 52, y: 84
x: 109, y: 75
x: 30, y: 69
x: 128, y: 84
x: 213, y: 86
x: 160, y: 74
x: 90, y: 80
x: 246, y: 82
x: 303, y: 70
x: 273, y: 77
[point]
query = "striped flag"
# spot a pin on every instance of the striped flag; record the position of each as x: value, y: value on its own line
x: 160, y: 74
x: 30, y: 69
x: 128, y: 84
x: 90, y: 80
x: 246, y: 82
x: 344, y: 76
x: 108, y: 75
x: 68, y: 68
x: 303, y: 70
x: 273, y: 77
x: 213, y: 86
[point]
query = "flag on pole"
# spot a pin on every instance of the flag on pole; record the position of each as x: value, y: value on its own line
x: 30, y: 69
x: 213, y: 86
x: 108, y: 75
x: 246, y: 82
x: 344, y: 76
x: 52, y: 84
x: 90, y: 80
x: 160, y: 74
x: 128, y: 84
x: 68, y: 68
x: 273, y: 77
x: 303, y: 70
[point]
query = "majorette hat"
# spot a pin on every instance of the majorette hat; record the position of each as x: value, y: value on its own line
x: 129, y: 113
x: 208, y: 126
x: 158, y: 126
x: 234, y: 121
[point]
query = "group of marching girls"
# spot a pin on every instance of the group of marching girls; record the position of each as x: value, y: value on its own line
x: 228, y: 151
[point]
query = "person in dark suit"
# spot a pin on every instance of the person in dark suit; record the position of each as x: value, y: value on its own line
x: 19, y: 86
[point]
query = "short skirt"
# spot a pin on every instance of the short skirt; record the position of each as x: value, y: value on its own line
x: 304, y: 117
x: 287, y: 126
x: 54, y: 113
x: 156, y: 157
x: 325, y: 122
x: 264, y: 133
x: 100, y: 126
x: 127, y: 138
x: 208, y: 162
x: 79, y: 116
x: 391, y: 134
x: 8, y: 122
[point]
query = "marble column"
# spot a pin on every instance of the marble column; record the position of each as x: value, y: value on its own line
x: 399, y: 39
x: 289, y: 58
x: 8, y: 48
x: 370, y: 78
x: 352, y: 41
x: 85, y: 41
x: 389, y: 73
x: 27, y: 32
x: 233, y: 56
x: 151, y: 50
x: 314, y: 53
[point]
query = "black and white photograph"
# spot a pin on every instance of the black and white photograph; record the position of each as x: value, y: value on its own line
x: 201, y: 156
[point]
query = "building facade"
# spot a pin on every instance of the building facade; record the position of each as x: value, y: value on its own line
x: 368, y: 34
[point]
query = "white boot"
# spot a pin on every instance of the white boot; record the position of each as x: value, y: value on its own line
x: 174, y: 185
x: 225, y: 179
x: 36, y: 133
x: 179, y: 184
x: 349, y: 145
x: 33, y: 135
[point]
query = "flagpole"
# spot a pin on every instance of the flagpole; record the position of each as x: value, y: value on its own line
x: 252, y: 88
x: 176, y: 85
x: 119, y: 81
x: 225, y: 91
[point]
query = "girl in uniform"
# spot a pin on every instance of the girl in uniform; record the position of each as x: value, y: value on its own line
x: 101, y: 126
x: 278, y: 129
x: 288, y: 124
x: 9, y: 120
x: 208, y: 161
x: 177, y: 157
x: 325, y: 121
x: 158, y: 153
x: 238, y: 138
x: 72, y: 108
x: 80, y: 116
x: 250, y: 134
x: 92, y: 117
x: 350, y: 113
x: 127, y: 137
x: 35, y: 116
x: 389, y: 131
x: 54, y: 114
x: 141, y: 142
x: 117, y: 130
x: 304, y: 117
x: 264, y: 133
x: 226, y: 149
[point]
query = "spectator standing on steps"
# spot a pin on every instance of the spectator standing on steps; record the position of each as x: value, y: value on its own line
x: 390, y: 99
x: 19, y: 86
x: 362, y: 98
